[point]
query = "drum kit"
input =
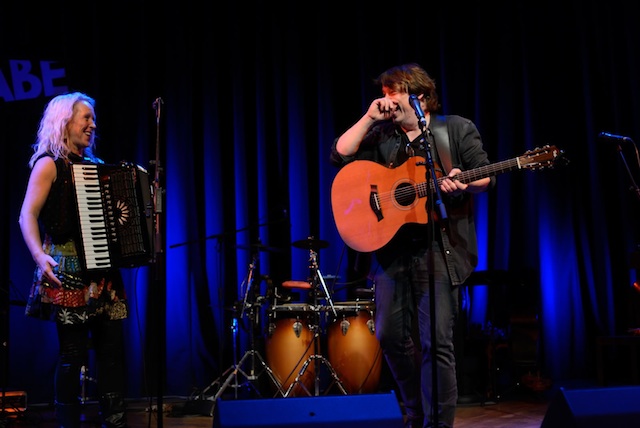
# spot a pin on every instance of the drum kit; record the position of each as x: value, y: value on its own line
x: 296, y: 334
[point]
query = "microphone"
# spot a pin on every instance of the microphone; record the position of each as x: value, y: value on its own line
x: 613, y: 137
x: 415, y: 103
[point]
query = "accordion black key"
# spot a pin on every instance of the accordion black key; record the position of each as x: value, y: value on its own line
x: 115, y: 214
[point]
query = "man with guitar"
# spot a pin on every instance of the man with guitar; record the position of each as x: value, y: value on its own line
x: 396, y: 134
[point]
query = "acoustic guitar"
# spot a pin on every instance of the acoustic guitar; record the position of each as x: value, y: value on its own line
x: 370, y: 202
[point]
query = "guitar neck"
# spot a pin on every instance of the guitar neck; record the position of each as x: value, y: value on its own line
x: 486, y: 171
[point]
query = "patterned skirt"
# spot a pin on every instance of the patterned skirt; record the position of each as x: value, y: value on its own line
x: 82, y: 296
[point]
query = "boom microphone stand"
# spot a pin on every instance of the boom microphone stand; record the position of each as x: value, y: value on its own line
x: 633, y: 187
x: 620, y: 139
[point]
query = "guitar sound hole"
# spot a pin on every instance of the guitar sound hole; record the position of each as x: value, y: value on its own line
x: 405, y: 194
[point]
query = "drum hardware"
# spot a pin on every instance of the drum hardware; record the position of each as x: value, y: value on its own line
x: 344, y: 326
x: 317, y: 277
x: 345, y: 323
x: 333, y: 281
x: 319, y: 289
x: 297, y: 328
x: 280, y: 298
x: 247, y: 284
x: 317, y: 359
x: 364, y: 292
x: 251, y: 357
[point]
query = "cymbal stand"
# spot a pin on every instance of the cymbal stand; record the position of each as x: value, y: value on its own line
x: 250, y: 355
x: 313, y: 257
x: 317, y: 359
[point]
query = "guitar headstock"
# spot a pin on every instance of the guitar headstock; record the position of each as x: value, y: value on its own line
x: 542, y: 157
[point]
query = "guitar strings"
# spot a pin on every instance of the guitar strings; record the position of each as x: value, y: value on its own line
x: 418, y: 189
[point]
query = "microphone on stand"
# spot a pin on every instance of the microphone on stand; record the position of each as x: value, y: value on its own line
x: 614, y: 137
x: 415, y: 103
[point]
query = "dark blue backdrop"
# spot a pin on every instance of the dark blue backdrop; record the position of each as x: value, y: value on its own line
x: 253, y: 98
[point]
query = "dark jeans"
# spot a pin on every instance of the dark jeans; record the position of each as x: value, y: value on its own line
x: 402, y: 304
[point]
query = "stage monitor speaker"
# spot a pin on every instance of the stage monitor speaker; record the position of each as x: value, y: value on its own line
x: 353, y: 411
x: 594, y: 408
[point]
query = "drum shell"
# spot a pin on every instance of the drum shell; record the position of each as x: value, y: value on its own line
x: 288, y: 350
x: 353, y: 348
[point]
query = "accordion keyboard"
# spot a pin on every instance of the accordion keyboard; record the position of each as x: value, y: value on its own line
x: 91, y: 212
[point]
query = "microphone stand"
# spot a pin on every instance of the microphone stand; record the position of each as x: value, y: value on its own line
x: 634, y: 186
x: 433, y: 190
x: 5, y: 308
x: 636, y: 190
x: 159, y: 264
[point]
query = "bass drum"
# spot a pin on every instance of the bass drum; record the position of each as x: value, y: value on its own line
x: 353, y: 349
x: 289, y: 344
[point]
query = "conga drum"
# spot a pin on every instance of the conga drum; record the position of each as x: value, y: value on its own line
x: 289, y: 344
x: 353, y: 349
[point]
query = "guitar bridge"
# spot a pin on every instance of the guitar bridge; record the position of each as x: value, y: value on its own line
x: 374, y: 202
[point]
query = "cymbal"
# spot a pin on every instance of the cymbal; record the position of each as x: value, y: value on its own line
x: 296, y: 284
x: 310, y: 244
x: 260, y: 247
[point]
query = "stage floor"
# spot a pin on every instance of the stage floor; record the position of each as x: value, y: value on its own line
x: 517, y: 412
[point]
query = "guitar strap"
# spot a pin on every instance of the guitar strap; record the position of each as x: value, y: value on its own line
x: 438, y: 129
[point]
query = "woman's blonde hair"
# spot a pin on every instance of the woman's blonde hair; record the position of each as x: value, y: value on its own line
x: 52, y: 138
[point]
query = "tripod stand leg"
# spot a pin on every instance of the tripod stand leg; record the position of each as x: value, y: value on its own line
x: 269, y: 371
x: 233, y: 376
x: 237, y: 369
x: 334, y: 376
x: 298, y: 377
x: 217, y: 381
x: 206, y: 406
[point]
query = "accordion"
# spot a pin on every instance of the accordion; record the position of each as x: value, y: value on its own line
x: 115, y: 215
